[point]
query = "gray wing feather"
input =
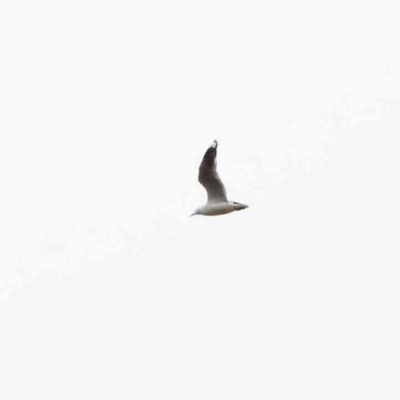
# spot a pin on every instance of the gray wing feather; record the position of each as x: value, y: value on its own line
x: 209, y: 178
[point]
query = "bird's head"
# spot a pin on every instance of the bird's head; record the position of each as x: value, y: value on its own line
x: 239, y: 206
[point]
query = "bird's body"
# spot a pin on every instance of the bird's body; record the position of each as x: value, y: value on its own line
x: 218, y: 203
x: 220, y: 208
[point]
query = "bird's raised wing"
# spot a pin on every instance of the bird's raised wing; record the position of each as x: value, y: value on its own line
x: 209, y: 178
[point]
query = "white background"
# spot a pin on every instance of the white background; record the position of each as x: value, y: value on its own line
x: 109, y: 290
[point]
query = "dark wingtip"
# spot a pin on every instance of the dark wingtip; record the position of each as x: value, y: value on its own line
x: 214, y: 144
x: 210, y: 155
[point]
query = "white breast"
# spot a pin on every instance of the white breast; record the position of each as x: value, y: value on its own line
x: 216, y: 209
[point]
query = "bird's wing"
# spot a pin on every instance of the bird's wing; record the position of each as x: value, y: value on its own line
x: 209, y: 178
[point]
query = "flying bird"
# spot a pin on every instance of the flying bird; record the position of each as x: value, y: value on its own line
x: 218, y: 202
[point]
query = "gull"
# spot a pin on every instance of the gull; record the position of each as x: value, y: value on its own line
x: 218, y: 202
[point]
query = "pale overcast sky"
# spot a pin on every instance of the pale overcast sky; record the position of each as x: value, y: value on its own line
x: 109, y: 290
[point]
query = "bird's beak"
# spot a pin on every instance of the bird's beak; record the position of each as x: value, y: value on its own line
x: 191, y: 215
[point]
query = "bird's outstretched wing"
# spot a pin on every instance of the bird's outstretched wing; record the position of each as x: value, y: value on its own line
x: 209, y: 178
